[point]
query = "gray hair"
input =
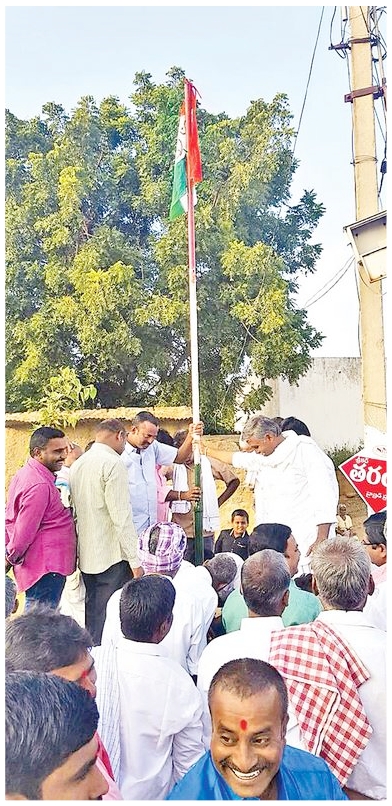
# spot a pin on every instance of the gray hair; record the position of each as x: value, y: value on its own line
x: 257, y: 427
x: 223, y: 570
x: 265, y: 578
x: 10, y: 595
x: 342, y: 569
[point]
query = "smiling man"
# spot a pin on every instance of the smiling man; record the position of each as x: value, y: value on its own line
x: 248, y: 757
x: 40, y: 533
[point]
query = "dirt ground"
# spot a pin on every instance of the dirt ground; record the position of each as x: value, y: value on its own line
x: 357, y: 510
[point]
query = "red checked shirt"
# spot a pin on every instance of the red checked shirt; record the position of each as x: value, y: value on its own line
x: 40, y: 533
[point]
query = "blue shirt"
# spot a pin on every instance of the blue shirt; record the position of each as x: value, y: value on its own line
x: 301, y: 776
x: 142, y: 481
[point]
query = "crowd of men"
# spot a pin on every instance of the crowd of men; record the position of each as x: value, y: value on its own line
x: 134, y: 674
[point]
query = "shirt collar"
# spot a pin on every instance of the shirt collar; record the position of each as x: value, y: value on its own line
x: 261, y: 624
x: 141, y: 648
x: 353, y: 618
x: 41, y: 468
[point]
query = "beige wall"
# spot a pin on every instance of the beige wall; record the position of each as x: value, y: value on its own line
x: 18, y: 435
x: 19, y: 428
x: 328, y: 399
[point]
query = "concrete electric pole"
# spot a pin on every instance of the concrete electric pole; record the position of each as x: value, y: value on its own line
x: 366, y: 204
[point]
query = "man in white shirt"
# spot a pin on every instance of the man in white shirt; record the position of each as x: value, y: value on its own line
x: 141, y: 456
x: 160, y: 706
x: 341, y: 572
x: 161, y: 549
x: 107, y: 541
x: 295, y: 482
x: 265, y: 581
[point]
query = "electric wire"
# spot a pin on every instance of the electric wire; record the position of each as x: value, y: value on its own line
x: 308, y: 82
x: 342, y: 272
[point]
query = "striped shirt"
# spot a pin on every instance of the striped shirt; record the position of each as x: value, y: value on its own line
x: 99, y: 494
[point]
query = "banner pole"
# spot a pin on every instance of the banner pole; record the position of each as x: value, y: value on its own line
x: 194, y: 352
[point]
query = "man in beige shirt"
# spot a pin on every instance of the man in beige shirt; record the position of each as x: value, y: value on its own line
x: 107, y: 540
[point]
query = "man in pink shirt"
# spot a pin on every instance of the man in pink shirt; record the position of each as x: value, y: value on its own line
x: 40, y: 535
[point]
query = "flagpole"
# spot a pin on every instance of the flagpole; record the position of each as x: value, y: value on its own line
x: 194, y: 352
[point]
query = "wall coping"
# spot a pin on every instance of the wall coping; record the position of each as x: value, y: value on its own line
x: 121, y: 413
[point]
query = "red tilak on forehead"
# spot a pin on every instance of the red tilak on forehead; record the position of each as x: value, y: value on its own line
x: 243, y: 724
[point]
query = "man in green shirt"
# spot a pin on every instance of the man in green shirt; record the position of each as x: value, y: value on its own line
x: 302, y: 608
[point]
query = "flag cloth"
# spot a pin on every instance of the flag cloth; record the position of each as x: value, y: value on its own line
x: 186, y: 151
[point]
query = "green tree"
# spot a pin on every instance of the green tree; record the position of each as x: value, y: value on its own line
x: 63, y: 396
x: 97, y: 277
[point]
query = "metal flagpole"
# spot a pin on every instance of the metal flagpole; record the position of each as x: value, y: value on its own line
x: 198, y: 508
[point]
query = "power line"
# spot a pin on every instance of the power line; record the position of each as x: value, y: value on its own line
x: 339, y: 275
x: 308, y: 82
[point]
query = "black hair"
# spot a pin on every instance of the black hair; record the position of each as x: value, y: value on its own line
x: 145, y: 416
x: 292, y: 424
x: 41, y: 436
x: 374, y: 528
x: 164, y: 437
x: 42, y: 639
x: 246, y: 677
x: 240, y: 513
x: 179, y: 438
x: 145, y: 603
x: 269, y: 536
x: 304, y: 582
x: 46, y: 720
x: 112, y: 424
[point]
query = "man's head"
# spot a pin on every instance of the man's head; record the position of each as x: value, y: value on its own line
x: 49, y: 447
x: 223, y: 570
x: 342, y: 510
x: 341, y: 573
x: 74, y: 451
x: 375, y: 540
x: 161, y: 548
x: 146, y: 608
x: 292, y: 424
x: 143, y: 430
x: 44, y: 640
x: 262, y: 434
x: 164, y: 437
x: 265, y: 582
x: 10, y: 596
x: 248, y: 705
x: 178, y: 439
x: 50, y: 742
x: 113, y: 433
x: 279, y: 537
x: 239, y: 522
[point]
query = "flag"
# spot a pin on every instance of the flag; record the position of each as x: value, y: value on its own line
x: 186, y: 152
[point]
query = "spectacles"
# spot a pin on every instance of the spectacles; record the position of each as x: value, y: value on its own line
x: 374, y: 545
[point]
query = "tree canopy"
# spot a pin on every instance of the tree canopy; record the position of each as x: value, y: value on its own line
x: 97, y: 277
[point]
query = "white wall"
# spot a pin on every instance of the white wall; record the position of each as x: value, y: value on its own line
x: 328, y: 399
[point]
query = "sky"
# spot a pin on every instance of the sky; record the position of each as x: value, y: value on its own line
x: 233, y: 54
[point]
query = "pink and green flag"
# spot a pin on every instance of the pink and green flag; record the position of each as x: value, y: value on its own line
x: 186, y: 152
